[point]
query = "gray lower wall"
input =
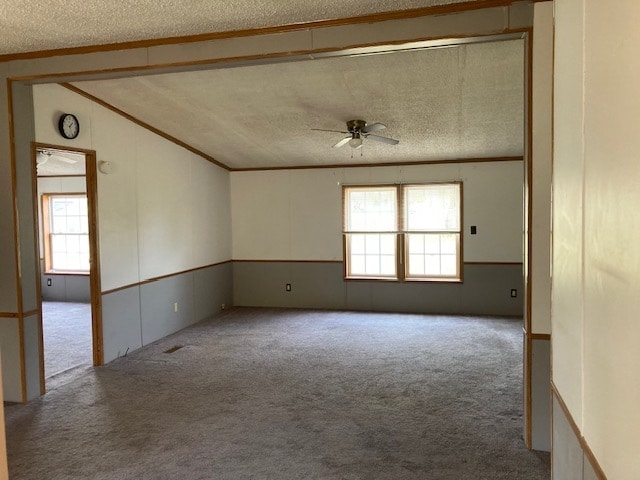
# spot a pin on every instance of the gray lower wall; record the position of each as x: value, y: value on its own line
x: 136, y: 316
x: 569, y: 461
x: 66, y: 288
x: 541, y: 395
x: 485, y: 290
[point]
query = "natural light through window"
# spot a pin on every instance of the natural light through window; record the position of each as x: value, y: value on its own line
x: 66, y: 233
x: 371, y: 231
x: 403, y: 232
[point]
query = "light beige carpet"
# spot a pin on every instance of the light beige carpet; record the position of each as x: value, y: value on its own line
x: 292, y: 394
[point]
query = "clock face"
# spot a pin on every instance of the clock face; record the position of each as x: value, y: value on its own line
x: 68, y: 126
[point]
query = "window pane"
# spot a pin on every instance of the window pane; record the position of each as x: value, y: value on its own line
x: 432, y: 265
x: 73, y: 206
x: 432, y: 243
x: 73, y: 225
x: 388, y: 265
x: 416, y: 264
x: 371, y: 209
x: 449, y: 244
x: 388, y: 244
x: 357, y: 265
x: 433, y: 207
x: 372, y: 265
x: 58, y: 243
x: 357, y: 243
x: 59, y: 225
x: 449, y: 265
x: 372, y: 244
x: 73, y: 243
x: 416, y: 243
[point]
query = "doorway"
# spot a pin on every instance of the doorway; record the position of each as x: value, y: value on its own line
x: 65, y: 188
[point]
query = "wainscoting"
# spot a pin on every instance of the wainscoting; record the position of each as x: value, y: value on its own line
x: 485, y: 291
x: 571, y: 457
x: 143, y: 313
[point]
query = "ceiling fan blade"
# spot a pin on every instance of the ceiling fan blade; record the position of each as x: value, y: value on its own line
x: 342, y: 142
x: 41, y: 158
x: 387, y: 140
x: 374, y: 127
x: 323, y: 130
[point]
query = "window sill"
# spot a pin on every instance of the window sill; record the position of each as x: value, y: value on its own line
x: 406, y: 280
x: 63, y: 272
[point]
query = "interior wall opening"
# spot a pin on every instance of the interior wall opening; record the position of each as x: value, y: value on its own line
x: 64, y: 247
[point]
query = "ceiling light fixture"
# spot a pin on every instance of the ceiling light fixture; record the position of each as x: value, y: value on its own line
x: 356, y: 141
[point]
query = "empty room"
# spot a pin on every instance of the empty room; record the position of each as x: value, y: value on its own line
x: 299, y: 244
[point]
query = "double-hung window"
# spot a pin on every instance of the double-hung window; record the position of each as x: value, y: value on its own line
x: 403, y: 232
x: 66, y: 233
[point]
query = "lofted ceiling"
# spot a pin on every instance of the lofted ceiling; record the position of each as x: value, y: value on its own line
x: 449, y: 103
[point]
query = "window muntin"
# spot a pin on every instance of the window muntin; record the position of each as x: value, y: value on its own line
x: 66, y: 233
x: 416, y: 238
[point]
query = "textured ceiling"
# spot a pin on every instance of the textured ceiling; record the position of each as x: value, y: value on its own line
x: 449, y: 103
x: 31, y: 25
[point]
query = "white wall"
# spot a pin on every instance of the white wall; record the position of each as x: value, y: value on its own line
x: 541, y: 151
x: 596, y: 264
x: 163, y: 210
x: 297, y: 214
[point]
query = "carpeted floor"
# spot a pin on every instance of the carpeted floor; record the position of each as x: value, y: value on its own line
x: 292, y: 394
x: 67, y: 336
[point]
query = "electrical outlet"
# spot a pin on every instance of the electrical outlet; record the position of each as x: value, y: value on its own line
x: 175, y: 307
x: 223, y: 306
x: 474, y: 229
x: 48, y: 282
x: 514, y: 293
x: 287, y: 287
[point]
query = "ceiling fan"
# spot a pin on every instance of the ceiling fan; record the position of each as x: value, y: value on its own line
x: 357, y: 131
x: 43, y: 156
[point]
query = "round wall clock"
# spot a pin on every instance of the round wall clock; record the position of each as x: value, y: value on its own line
x: 68, y: 126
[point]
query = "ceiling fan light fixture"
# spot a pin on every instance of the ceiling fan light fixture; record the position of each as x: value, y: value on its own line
x: 356, y: 141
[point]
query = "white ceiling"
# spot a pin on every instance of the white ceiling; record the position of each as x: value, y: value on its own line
x: 33, y: 25
x: 448, y: 103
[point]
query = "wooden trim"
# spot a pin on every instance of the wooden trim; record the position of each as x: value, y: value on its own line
x: 9, y: 315
x: 30, y: 313
x: 94, y: 258
x: 145, y: 125
x: 540, y: 336
x: 576, y: 430
x: 285, y: 261
x: 494, y: 263
x: 155, y: 279
x: 384, y: 164
x: 60, y: 176
x: 278, y: 29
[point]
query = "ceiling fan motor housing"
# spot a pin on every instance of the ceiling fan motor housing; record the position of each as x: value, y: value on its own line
x: 355, y: 126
